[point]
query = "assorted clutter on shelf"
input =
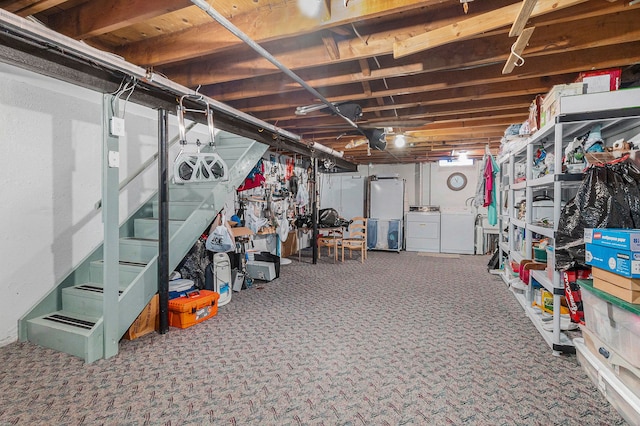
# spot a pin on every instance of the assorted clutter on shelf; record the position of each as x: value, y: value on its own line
x: 569, y: 176
x: 542, y: 176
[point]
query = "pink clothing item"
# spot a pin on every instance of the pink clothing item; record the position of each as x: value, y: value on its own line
x: 488, y: 183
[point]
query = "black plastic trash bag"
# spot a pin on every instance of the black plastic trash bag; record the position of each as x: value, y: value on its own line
x: 328, y: 218
x: 195, y: 263
x: 609, y: 197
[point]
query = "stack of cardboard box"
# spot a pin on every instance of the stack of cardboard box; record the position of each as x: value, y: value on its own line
x: 614, y: 255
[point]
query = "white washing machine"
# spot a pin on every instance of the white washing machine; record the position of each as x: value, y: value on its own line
x: 423, y: 231
x: 457, y: 231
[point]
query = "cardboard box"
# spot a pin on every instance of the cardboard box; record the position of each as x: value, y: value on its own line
x: 620, y: 238
x: 146, y: 322
x: 290, y: 246
x: 627, y: 289
x: 241, y: 231
x: 600, y: 80
x: 618, y: 261
x: 534, y: 114
x: 551, y: 103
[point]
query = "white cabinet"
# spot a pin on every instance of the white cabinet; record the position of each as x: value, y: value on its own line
x: 457, y: 231
x: 516, y: 243
x: 423, y: 232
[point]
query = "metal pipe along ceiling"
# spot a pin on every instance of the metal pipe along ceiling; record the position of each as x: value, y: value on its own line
x: 209, y: 10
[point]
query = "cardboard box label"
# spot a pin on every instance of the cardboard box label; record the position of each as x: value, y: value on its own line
x: 621, y: 262
x: 600, y: 80
x: 625, y: 239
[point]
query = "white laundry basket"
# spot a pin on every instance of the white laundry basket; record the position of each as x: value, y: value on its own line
x: 222, y: 277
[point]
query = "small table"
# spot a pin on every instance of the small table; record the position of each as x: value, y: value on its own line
x: 332, y: 235
x: 332, y: 231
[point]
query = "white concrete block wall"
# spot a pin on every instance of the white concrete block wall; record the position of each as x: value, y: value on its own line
x: 50, y: 175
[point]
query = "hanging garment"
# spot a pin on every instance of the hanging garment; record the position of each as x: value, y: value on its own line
x: 478, y: 201
x: 488, y: 182
x: 492, y: 210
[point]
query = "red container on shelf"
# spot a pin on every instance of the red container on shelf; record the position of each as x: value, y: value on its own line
x: 572, y: 292
x: 601, y: 80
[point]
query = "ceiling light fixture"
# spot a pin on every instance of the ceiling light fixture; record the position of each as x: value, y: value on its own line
x: 400, y: 141
x: 311, y: 8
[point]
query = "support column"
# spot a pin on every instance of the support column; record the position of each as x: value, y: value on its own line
x: 314, y: 211
x: 163, y: 222
x: 110, y: 219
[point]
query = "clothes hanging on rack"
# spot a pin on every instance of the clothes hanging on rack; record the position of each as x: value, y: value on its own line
x: 478, y: 200
x: 488, y: 182
x: 492, y: 208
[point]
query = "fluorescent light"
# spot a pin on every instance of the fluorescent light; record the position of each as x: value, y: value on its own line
x: 400, y: 141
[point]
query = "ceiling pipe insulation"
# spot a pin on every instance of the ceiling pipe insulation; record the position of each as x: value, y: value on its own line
x: 41, y: 41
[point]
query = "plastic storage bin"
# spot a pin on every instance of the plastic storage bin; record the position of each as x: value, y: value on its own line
x: 615, y: 322
x: 621, y: 398
x: 622, y: 370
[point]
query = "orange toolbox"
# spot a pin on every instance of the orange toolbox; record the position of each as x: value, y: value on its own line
x: 193, y: 308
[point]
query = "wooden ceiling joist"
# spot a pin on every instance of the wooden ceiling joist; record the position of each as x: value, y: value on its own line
x: 261, y: 25
x: 90, y: 19
x: 563, y: 35
x: 331, y: 46
x: 473, y: 26
x: 446, y: 92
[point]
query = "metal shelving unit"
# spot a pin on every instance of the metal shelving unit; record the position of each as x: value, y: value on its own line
x: 576, y: 118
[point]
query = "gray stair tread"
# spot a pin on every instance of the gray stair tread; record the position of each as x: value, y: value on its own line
x: 138, y: 239
x: 156, y: 219
x: 194, y: 203
x: 64, y: 320
x: 122, y: 263
x: 96, y: 288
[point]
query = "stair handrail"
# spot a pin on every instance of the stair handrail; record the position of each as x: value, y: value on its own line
x: 144, y: 166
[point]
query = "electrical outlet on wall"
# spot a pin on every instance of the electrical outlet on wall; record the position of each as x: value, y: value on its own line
x: 117, y: 126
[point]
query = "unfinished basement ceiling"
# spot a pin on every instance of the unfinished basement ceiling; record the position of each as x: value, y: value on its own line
x: 425, y: 68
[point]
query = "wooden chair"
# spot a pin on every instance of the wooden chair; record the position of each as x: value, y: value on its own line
x: 357, y: 239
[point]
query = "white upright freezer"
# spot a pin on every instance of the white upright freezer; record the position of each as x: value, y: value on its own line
x: 385, y: 228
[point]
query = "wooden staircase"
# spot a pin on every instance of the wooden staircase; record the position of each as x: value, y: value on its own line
x: 69, y: 318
